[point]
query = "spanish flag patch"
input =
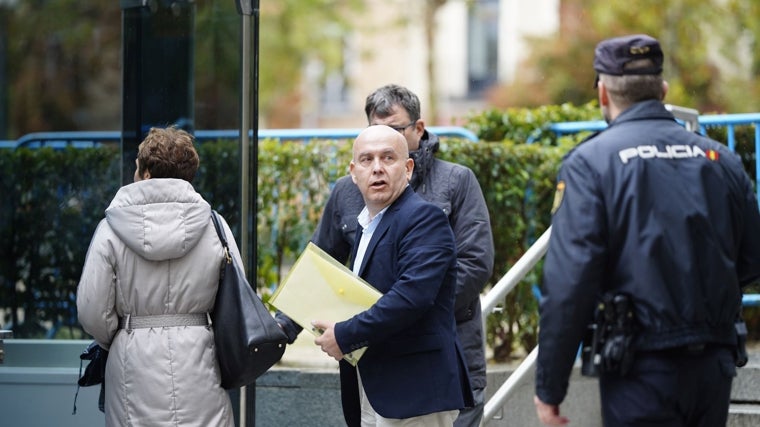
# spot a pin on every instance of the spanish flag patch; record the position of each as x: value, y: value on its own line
x: 712, y: 155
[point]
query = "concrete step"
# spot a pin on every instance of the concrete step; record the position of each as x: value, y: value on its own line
x: 746, y: 385
x: 745, y: 394
x: 743, y: 415
x: 582, y: 405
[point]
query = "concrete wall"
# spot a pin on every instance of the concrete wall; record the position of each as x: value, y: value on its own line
x: 299, y: 398
x: 38, y: 382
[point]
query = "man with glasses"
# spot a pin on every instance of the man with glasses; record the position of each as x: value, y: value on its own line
x: 451, y: 187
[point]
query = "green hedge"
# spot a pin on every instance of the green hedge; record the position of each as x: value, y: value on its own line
x: 53, y: 199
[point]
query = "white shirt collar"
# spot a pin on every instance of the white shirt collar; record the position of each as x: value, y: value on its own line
x: 366, y: 223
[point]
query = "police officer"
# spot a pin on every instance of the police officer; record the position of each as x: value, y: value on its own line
x: 648, y: 209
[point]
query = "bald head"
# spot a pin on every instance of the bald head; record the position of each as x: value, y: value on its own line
x: 381, y: 166
x: 384, y: 133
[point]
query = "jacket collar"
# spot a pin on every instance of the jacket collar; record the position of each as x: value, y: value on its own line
x: 644, y: 110
x: 423, y: 157
x: 381, y: 229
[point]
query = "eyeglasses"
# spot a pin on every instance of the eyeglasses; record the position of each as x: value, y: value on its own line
x: 402, y: 129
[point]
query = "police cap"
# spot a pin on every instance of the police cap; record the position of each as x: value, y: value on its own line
x: 612, y: 55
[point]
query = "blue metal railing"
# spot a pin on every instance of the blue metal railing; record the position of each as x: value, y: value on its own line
x: 84, y: 139
x: 730, y: 121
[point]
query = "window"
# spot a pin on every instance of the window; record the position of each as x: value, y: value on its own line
x: 482, y: 46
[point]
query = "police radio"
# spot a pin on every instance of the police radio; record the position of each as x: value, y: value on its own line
x: 607, y: 345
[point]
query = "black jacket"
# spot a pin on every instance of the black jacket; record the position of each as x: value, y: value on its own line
x: 650, y: 209
x: 455, y: 190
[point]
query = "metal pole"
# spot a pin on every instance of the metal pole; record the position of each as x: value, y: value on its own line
x: 248, y: 164
x: 244, y: 170
x: 245, y: 140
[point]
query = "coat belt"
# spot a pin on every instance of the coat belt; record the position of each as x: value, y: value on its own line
x: 130, y: 322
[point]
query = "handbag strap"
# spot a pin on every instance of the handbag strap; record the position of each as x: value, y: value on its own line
x: 221, y: 234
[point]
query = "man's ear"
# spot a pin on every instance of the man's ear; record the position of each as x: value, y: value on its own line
x: 664, y: 89
x: 419, y: 127
x: 409, y: 168
x: 351, y: 171
x: 604, y: 100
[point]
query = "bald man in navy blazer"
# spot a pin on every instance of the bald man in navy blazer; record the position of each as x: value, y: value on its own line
x: 413, y: 366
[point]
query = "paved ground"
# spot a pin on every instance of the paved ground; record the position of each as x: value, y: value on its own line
x: 303, y: 353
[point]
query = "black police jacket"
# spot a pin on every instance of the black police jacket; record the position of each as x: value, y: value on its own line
x: 647, y: 208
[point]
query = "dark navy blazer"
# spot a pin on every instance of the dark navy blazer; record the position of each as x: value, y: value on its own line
x: 413, y: 364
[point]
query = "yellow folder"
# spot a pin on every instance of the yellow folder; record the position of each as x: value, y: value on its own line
x: 318, y: 287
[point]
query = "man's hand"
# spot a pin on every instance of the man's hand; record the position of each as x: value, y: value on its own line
x: 549, y: 414
x: 327, y: 341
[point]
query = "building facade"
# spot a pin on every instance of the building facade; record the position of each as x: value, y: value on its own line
x: 475, y: 45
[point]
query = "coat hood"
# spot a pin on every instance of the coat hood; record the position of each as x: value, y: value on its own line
x: 423, y: 160
x: 159, y: 218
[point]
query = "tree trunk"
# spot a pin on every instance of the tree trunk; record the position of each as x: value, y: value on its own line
x: 430, y: 12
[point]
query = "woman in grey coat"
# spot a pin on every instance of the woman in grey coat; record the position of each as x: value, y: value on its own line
x: 148, y: 284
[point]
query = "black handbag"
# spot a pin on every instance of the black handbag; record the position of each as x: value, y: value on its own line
x: 94, y: 373
x: 247, y: 338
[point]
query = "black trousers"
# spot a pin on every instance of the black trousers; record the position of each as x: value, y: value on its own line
x: 671, y: 388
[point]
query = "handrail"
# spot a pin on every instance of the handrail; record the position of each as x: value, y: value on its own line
x: 84, y: 139
x: 518, y: 271
x: 567, y: 128
x: 509, y: 387
x: 308, y: 134
x: 521, y: 268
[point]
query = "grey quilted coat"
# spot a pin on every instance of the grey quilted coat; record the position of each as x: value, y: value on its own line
x: 156, y: 252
